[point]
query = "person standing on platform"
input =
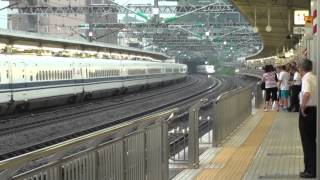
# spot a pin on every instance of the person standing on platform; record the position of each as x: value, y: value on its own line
x: 269, y: 78
x: 307, y: 118
x: 296, y: 88
x: 284, y: 77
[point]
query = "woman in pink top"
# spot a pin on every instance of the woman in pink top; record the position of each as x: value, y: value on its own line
x: 270, y: 79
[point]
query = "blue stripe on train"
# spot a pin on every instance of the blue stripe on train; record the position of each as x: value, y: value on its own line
x: 63, y: 83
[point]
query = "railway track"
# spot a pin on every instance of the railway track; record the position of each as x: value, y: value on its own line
x: 93, y: 113
x: 42, y: 119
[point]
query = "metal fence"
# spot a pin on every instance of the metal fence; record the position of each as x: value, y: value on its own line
x: 210, y: 123
x: 135, y: 150
x: 230, y: 110
x: 138, y: 149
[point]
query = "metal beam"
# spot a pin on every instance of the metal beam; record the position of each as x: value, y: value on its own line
x: 113, y: 9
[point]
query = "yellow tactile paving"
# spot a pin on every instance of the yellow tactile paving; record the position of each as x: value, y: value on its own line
x: 235, y: 161
x: 224, y: 155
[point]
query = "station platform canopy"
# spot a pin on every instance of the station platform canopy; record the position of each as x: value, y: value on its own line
x: 36, y: 39
x: 274, y: 21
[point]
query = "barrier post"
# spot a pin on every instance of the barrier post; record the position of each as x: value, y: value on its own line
x: 193, y: 137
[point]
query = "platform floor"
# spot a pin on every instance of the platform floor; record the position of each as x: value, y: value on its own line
x: 266, y: 146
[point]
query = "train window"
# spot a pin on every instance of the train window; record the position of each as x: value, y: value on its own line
x: 60, y: 74
x: 31, y: 78
x: 154, y: 70
x: 0, y: 77
x: 37, y: 76
x: 49, y: 75
x: 7, y: 74
x: 168, y: 70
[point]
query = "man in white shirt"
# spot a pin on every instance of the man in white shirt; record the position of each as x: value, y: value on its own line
x: 295, y: 90
x: 307, y: 118
x: 284, y: 77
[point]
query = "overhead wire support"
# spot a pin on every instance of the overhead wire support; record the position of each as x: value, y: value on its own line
x: 116, y: 9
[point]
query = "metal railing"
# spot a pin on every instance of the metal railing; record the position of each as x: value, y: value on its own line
x: 230, y: 110
x: 135, y: 150
x: 251, y: 72
x: 138, y: 149
x: 210, y: 123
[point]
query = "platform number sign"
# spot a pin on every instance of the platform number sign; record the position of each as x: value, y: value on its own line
x: 299, y: 16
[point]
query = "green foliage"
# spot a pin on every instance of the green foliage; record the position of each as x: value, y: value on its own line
x: 229, y: 71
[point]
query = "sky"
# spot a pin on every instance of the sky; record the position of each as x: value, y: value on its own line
x: 3, y: 14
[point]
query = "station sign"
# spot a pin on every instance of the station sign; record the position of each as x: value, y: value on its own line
x: 299, y: 16
x: 299, y: 30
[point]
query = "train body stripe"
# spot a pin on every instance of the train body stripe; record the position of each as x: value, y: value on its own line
x: 4, y: 88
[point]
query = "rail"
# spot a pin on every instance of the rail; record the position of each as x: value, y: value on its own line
x: 136, y: 149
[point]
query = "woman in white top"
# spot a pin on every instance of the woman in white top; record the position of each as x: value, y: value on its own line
x: 296, y: 88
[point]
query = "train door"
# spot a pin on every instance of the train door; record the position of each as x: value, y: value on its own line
x: 19, y: 82
x: 123, y: 74
x: 82, y: 74
x: 5, y: 91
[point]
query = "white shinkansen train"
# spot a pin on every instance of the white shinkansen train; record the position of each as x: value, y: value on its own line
x: 205, y: 69
x: 29, y: 82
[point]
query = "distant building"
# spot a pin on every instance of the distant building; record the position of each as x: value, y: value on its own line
x: 3, y: 15
x: 62, y: 25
